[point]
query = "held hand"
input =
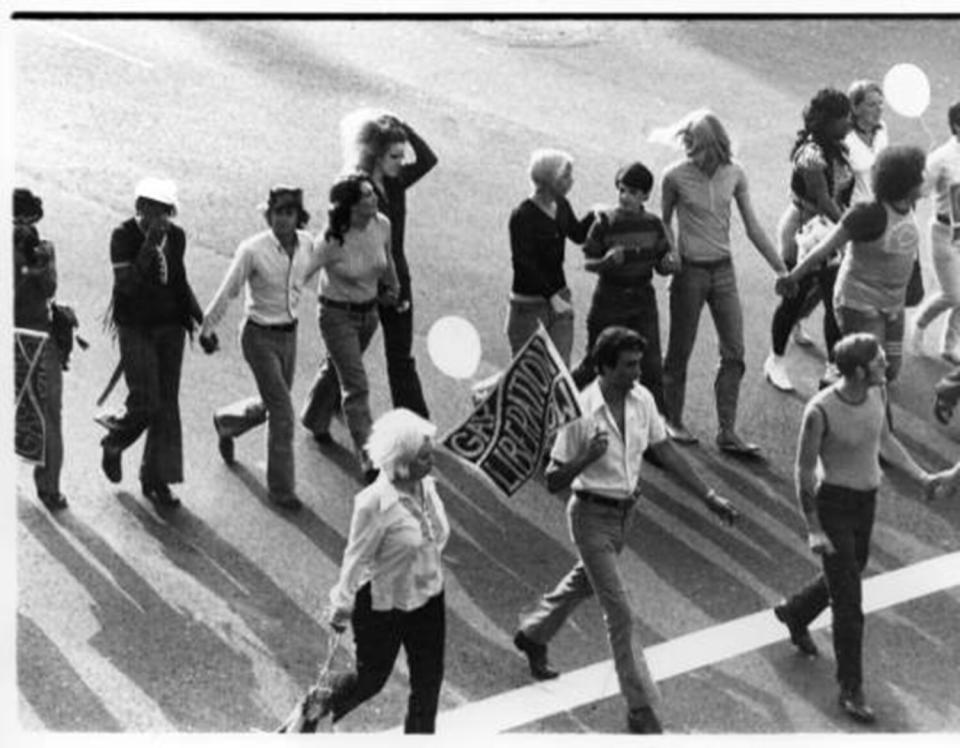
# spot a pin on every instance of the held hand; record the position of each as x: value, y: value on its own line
x: 597, y: 446
x: 337, y: 619
x: 671, y: 262
x: 723, y: 508
x: 209, y: 343
x: 936, y: 485
x: 614, y: 255
x: 819, y: 543
x: 786, y: 285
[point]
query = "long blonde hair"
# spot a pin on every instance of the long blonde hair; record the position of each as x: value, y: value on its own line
x: 705, y: 133
x: 365, y: 136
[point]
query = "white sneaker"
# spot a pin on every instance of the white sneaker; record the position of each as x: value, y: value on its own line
x: 800, y: 336
x: 775, y: 370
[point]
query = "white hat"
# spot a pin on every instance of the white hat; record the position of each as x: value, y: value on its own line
x: 157, y: 189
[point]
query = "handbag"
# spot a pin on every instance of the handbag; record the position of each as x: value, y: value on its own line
x: 914, y: 286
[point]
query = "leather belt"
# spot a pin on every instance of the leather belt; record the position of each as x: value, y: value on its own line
x: 360, y: 307
x: 595, y: 498
x: 708, y: 264
x: 285, y: 327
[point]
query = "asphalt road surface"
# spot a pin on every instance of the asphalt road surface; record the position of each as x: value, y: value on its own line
x: 208, y: 619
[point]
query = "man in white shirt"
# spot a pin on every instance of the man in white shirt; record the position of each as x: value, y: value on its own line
x: 600, y: 455
x: 943, y: 178
x: 272, y: 265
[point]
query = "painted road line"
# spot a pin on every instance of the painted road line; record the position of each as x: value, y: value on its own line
x: 84, y: 42
x: 684, y: 654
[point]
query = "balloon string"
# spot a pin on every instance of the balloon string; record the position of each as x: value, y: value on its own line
x: 926, y: 129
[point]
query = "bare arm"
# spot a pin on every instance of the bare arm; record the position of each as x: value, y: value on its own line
x: 833, y: 241
x: 758, y: 237
x: 678, y: 466
x: 805, y: 468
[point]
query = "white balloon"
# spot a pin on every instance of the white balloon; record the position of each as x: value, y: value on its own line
x: 454, y: 347
x: 907, y: 89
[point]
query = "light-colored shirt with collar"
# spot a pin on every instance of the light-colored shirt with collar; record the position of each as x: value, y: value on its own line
x: 861, y: 156
x: 395, y: 544
x: 616, y: 472
x: 703, y: 205
x: 943, y: 174
x: 273, y: 280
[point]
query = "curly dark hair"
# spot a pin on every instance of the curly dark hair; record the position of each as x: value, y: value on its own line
x: 827, y: 105
x: 344, y: 194
x: 897, y: 171
x: 613, y: 341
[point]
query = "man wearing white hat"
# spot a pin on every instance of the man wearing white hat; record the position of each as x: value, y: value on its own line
x: 151, y: 307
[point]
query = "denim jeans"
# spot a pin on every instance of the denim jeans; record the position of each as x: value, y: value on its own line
x: 634, y: 307
x: 599, y: 532
x: 946, y: 263
x: 886, y: 326
x: 272, y: 357
x: 152, y: 358
x: 405, y: 388
x: 46, y: 477
x: 691, y: 288
x: 846, y: 516
x: 342, y: 376
x: 522, y: 319
x: 378, y: 636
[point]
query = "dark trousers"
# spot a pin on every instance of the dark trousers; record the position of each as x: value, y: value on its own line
x: 46, y: 477
x: 846, y: 516
x: 634, y: 307
x: 405, y: 389
x: 152, y: 358
x: 378, y: 636
x: 792, y: 309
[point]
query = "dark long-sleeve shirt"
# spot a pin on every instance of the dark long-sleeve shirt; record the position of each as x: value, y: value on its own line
x: 393, y: 203
x: 537, y: 246
x: 33, y: 285
x: 150, y: 282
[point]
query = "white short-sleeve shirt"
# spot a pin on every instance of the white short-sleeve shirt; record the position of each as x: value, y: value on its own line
x: 616, y: 472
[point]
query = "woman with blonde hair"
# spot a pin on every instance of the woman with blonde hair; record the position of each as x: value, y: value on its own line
x: 390, y: 587
x: 374, y: 142
x: 539, y: 227
x: 700, y: 189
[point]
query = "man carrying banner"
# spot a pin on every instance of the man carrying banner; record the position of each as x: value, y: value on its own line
x: 600, y: 455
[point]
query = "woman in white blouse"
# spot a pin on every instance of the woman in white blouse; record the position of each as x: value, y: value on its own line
x: 391, y: 581
x: 867, y: 137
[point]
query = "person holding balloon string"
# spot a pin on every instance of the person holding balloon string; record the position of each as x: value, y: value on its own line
x: 943, y: 179
x: 539, y: 227
x: 356, y: 274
